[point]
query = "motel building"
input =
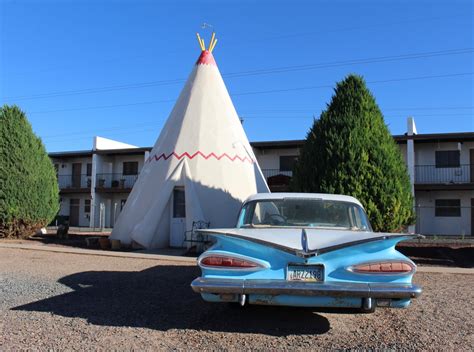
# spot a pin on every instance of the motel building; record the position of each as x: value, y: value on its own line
x: 94, y: 184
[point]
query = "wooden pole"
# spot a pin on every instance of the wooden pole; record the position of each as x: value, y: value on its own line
x: 213, y: 45
x: 201, y: 42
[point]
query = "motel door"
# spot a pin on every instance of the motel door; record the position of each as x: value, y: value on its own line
x: 178, y: 218
x: 74, y: 212
x: 76, y: 175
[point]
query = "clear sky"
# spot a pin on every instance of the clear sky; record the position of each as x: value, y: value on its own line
x: 114, y: 68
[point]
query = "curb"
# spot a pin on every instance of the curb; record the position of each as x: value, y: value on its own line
x: 81, y: 251
x: 152, y: 256
x: 444, y: 270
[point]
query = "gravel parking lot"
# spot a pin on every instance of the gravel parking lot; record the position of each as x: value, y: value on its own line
x: 77, y: 302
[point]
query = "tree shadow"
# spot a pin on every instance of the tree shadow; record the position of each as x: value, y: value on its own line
x: 160, y: 298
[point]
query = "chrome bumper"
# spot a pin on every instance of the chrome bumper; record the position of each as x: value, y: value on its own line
x: 295, y: 288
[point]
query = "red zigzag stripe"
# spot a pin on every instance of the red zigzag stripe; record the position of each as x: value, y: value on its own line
x: 186, y: 154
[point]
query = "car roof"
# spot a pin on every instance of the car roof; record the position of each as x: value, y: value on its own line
x: 323, y: 196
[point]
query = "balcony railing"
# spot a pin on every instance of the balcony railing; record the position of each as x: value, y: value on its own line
x: 430, y: 174
x: 274, y: 172
x: 74, y: 181
x: 116, y: 181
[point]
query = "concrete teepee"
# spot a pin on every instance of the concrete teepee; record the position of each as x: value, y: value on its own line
x: 200, y: 169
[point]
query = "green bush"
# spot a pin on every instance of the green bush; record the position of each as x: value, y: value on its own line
x: 350, y: 150
x: 29, y: 194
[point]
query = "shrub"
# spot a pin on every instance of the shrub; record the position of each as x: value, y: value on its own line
x: 350, y: 150
x: 28, y: 187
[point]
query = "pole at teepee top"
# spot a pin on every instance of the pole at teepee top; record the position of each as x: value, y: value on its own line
x: 212, y: 43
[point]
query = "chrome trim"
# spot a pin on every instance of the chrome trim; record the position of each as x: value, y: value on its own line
x: 310, y: 253
x: 304, y: 241
x: 296, y: 288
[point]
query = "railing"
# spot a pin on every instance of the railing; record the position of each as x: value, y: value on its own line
x: 274, y: 172
x: 115, y: 181
x: 74, y: 181
x: 430, y: 174
x: 424, y: 174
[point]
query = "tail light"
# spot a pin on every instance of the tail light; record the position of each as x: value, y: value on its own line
x: 388, y: 267
x: 228, y: 262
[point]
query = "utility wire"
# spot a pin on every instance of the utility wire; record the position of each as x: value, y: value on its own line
x: 259, y: 40
x: 309, y: 110
x: 370, y: 82
x: 98, y: 90
x: 351, y: 62
x: 146, y: 126
x: 91, y: 135
x: 113, y: 128
x: 104, y: 106
x: 275, y: 70
x: 271, y: 91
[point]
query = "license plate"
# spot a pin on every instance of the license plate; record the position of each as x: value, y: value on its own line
x: 310, y: 273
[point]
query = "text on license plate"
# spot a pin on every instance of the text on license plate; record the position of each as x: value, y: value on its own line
x: 305, y: 273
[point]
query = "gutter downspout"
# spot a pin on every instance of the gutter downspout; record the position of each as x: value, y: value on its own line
x: 411, y: 131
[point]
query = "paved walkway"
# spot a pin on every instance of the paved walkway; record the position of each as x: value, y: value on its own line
x: 156, y: 255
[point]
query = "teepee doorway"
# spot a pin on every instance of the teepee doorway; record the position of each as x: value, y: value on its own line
x: 178, y: 217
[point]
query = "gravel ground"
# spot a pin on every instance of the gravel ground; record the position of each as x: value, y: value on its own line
x: 81, y: 302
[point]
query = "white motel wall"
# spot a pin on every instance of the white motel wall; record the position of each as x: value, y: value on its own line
x: 428, y: 222
x: 95, y: 184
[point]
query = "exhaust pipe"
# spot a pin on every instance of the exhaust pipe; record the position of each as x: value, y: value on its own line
x: 367, y: 304
x: 243, y: 298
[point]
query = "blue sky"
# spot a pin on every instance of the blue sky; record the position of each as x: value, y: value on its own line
x: 114, y: 68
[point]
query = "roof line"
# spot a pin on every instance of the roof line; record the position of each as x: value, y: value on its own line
x: 427, y: 137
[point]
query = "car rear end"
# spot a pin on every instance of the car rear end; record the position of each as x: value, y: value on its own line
x: 355, y: 274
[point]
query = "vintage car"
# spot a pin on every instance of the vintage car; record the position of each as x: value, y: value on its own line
x: 310, y: 250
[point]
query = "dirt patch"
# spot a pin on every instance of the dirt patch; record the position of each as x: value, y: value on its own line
x: 71, y: 302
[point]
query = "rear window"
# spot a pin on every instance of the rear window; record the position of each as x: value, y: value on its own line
x: 301, y: 212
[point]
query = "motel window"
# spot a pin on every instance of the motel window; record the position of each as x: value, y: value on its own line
x: 130, y: 168
x: 287, y: 162
x: 89, y: 169
x: 87, y: 205
x: 447, y: 158
x: 448, y: 207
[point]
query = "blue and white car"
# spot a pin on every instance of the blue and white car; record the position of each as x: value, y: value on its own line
x: 307, y: 250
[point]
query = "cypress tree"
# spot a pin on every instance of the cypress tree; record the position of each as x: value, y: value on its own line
x: 29, y: 194
x: 350, y: 150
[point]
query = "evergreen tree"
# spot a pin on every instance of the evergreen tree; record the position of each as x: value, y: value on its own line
x: 350, y: 150
x: 28, y: 187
